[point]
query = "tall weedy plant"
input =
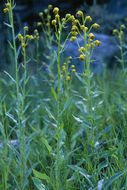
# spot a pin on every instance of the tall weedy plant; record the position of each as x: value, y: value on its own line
x: 21, y: 90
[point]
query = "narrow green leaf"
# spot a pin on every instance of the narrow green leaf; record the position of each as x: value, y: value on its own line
x: 10, y: 76
x: 38, y: 184
x: 10, y: 44
x: 54, y: 93
x: 112, y: 179
x: 49, y: 114
x: 7, y: 25
x: 41, y: 176
x: 46, y: 144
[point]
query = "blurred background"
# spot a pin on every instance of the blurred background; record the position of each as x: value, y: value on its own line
x: 110, y: 14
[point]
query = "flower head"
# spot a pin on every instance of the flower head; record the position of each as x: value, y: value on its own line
x: 56, y: 10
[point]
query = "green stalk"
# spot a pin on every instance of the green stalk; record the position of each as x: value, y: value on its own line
x: 58, y: 111
x: 121, y: 52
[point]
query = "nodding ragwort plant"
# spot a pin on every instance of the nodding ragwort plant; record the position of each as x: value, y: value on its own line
x: 20, y: 89
x: 78, y: 28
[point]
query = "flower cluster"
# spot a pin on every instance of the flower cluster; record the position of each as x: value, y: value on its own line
x: 24, y: 38
x: 8, y: 6
x: 65, y: 69
x: 79, y: 28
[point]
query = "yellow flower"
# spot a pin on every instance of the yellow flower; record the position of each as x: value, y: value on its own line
x: 115, y: 31
x: 89, y: 18
x: 73, y: 38
x: 8, y: 5
x: 49, y: 6
x: 20, y: 37
x: 39, y: 24
x: 91, y: 36
x: 54, y: 22
x: 95, y: 25
x: 23, y: 45
x: 81, y: 57
x: 81, y: 49
x: 31, y: 37
x: 73, y: 71
x: 56, y: 10
x: 74, y: 27
x: 5, y: 10
x: 40, y: 14
x: 70, y: 58
x: 72, y: 66
x: 97, y: 43
x: 79, y: 13
x: 26, y: 28
x: 68, y: 78
x: 63, y: 68
x: 68, y: 16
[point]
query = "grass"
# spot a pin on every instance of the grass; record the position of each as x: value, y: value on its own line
x: 69, y: 128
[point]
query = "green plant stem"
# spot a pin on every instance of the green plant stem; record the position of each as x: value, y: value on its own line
x: 121, y: 53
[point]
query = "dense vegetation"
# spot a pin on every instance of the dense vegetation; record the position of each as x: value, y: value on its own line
x: 61, y: 129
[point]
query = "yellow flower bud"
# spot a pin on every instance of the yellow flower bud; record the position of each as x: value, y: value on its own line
x: 82, y: 57
x: 95, y: 25
x: 54, y: 22
x: 73, y: 38
x: 64, y: 68
x: 57, y: 17
x: 72, y: 66
x: 65, y: 64
x: 39, y: 24
x: 89, y: 18
x: 56, y: 10
x: 74, y: 27
x: 68, y: 16
x: 81, y: 49
x: 122, y: 27
x: 49, y: 6
x: 63, y: 19
x: 68, y: 78
x: 20, y: 37
x: 97, y: 43
x: 23, y: 45
x: 8, y: 5
x: 31, y: 37
x: 26, y: 28
x: 5, y: 10
x: 88, y: 46
x: 91, y: 36
x: 79, y: 13
x: 40, y: 14
x: 73, y: 71
x: 70, y: 58
x: 82, y: 27
x: 115, y: 31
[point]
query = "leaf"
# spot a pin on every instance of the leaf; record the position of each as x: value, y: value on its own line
x: 41, y: 176
x: 67, y: 104
x: 11, y: 117
x: 49, y: 114
x: 80, y: 170
x: 106, y: 130
x: 10, y: 76
x: 46, y: 144
x: 38, y: 184
x: 11, y: 46
x: 7, y: 25
x: 54, y: 93
x: 78, y: 119
x: 112, y: 179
